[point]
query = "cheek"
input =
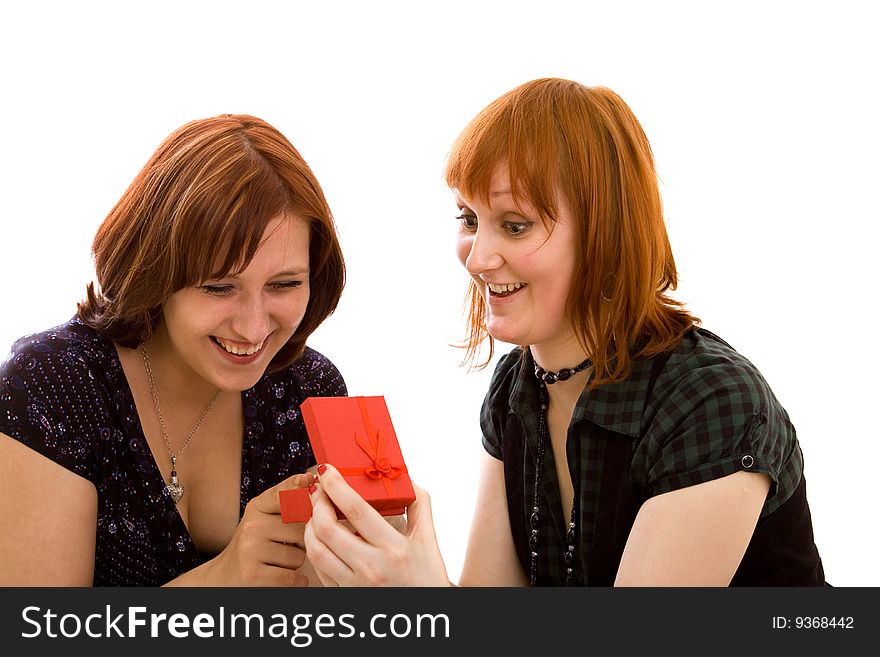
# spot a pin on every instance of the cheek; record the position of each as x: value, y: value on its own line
x: 552, y: 274
x: 463, y: 248
x: 559, y: 294
x: 290, y: 312
x: 184, y: 318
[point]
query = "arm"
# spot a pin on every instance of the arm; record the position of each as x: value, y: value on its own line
x: 491, y: 556
x: 50, y: 514
x: 694, y: 536
x: 49, y: 518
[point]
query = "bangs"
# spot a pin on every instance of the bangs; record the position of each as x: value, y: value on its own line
x: 519, y: 130
x: 220, y: 230
x: 197, y: 211
x: 585, y: 144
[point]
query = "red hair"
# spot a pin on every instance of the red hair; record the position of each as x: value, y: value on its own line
x: 585, y: 142
x: 208, y: 191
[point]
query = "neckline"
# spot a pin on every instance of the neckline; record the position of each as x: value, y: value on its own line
x: 569, y: 533
x: 154, y: 476
x: 550, y: 489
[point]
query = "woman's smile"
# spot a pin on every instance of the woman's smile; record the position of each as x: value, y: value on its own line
x: 521, y: 265
x: 240, y: 353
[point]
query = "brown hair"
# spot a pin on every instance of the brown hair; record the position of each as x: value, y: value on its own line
x: 208, y: 191
x: 556, y: 134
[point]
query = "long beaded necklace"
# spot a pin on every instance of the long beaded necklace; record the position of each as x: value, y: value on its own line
x: 546, y: 378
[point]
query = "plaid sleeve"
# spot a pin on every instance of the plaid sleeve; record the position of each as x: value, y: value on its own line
x: 715, y: 419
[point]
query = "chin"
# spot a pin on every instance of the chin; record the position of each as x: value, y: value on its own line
x: 234, y: 381
x: 506, y: 335
x: 238, y: 383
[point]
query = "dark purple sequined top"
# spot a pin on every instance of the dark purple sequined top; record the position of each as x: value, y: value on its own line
x: 63, y: 393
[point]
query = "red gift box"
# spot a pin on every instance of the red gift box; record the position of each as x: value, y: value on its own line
x: 355, y: 435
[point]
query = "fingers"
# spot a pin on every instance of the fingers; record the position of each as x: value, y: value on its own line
x: 263, y: 550
x: 359, y: 550
x: 332, y: 534
x: 330, y: 569
x: 366, y: 521
x: 371, y: 551
x: 398, y: 522
x: 420, y: 518
x: 337, y: 552
x: 252, y: 560
x: 283, y: 556
x: 315, y: 578
x: 268, y: 501
x: 262, y: 526
x: 275, y: 576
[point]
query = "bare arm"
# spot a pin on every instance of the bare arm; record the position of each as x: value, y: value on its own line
x: 695, y: 536
x: 48, y: 517
x: 491, y: 558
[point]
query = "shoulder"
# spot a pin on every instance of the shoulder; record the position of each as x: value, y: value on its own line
x: 56, y: 387
x: 712, y: 413
x: 314, y: 374
x: 497, y: 405
x: 705, y: 367
x: 72, y: 345
x: 504, y: 378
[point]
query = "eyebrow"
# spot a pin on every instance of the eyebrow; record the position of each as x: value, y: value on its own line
x: 286, y: 272
x: 292, y: 272
x: 501, y: 192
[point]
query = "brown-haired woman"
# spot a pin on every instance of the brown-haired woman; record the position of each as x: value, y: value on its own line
x: 624, y: 445
x: 143, y: 442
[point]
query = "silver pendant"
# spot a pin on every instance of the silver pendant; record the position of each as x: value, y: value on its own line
x: 175, y: 490
x: 174, y: 487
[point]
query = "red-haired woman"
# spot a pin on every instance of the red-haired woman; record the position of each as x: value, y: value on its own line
x: 143, y: 442
x: 623, y: 444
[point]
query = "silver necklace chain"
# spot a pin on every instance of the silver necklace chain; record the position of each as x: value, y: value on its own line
x: 174, y: 487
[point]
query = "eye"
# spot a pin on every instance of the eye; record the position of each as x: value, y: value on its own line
x: 286, y: 285
x: 516, y: 227
x: 216, y: 290
x: 468, y: 220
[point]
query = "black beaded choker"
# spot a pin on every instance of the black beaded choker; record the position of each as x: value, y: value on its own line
x: 562, y: 375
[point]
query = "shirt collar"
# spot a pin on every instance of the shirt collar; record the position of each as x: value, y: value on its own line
x: 616, y: 406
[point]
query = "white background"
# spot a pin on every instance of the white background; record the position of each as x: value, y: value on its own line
x: 763, y: 119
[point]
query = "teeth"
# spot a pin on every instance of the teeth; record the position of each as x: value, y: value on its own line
x: 504, y: 287
x: 250, y: 351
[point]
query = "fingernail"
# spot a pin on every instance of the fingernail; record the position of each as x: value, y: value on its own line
x: 312, y: 489
x: 322, y: 469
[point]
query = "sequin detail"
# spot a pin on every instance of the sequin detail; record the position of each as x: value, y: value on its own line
x: 64, y: 394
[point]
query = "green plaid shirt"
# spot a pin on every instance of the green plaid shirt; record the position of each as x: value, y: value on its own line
x: 693, y: 415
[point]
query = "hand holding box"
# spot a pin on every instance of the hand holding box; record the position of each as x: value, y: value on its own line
x: 356, y: 436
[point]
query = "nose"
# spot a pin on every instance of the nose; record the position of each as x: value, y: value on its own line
x: 481, y: 252
x: 251, y: 321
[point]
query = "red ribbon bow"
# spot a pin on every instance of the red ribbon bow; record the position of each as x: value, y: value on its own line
x: 381, y: 467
